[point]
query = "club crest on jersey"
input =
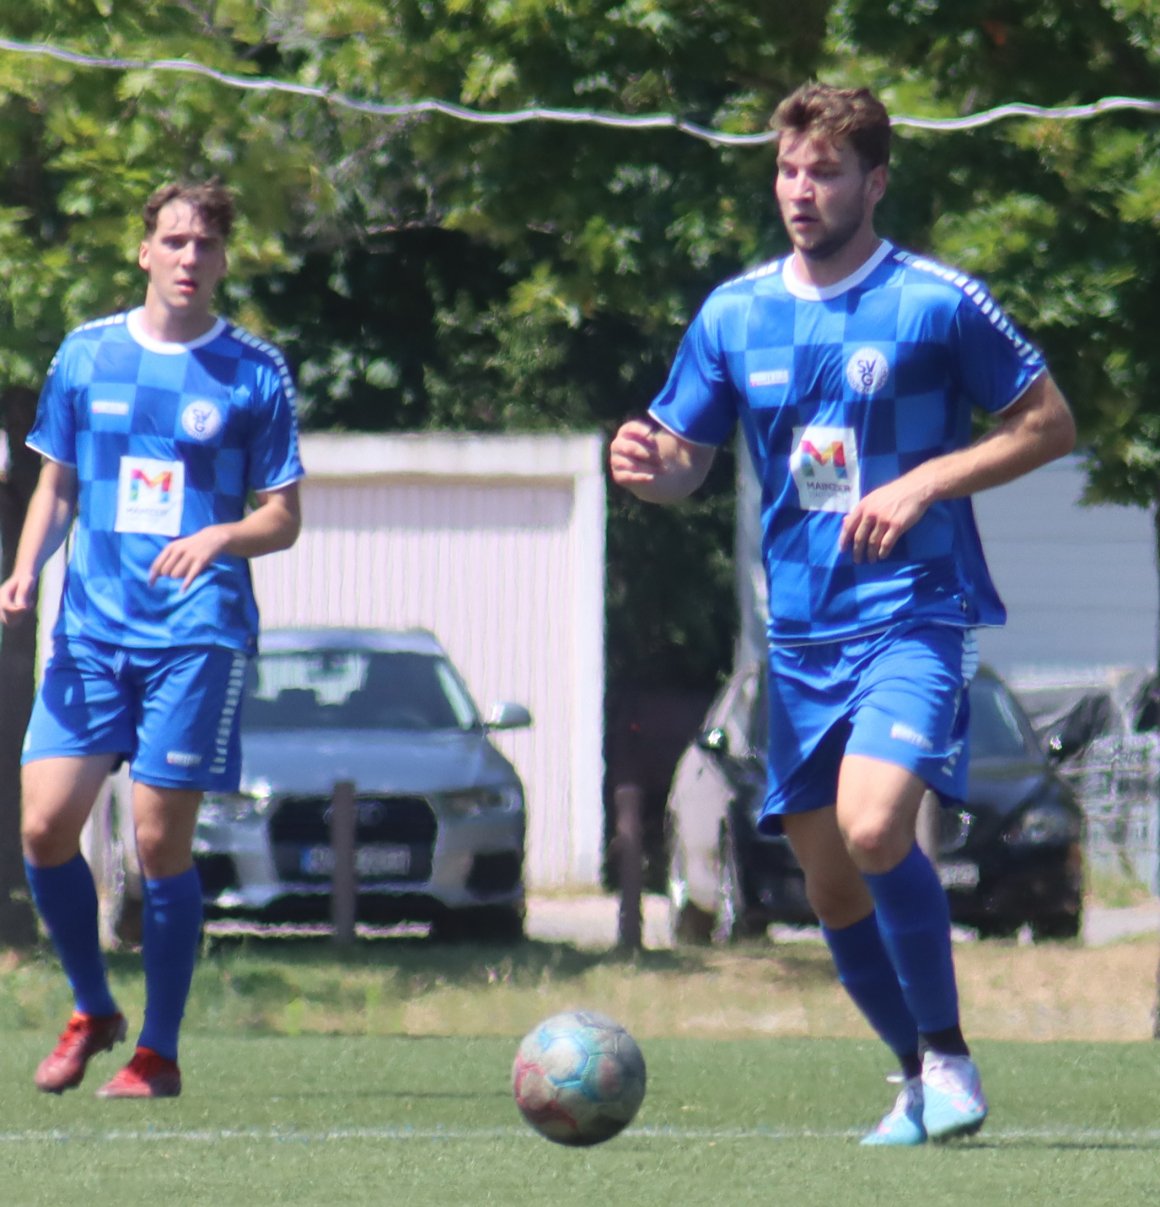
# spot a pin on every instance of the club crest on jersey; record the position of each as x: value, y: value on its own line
x: 201, y: 420
x: 867, y: 371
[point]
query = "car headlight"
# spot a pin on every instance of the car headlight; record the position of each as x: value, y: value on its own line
x: 506, y: 798
x: 225, y: 807
x: 1045, y: 824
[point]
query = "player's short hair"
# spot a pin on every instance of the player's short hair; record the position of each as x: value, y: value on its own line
x: 853, y: 115
x: 209, y: 199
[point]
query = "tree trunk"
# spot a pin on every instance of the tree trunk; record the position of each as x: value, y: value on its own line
x: 18, y: 926
x: 1156, y: 802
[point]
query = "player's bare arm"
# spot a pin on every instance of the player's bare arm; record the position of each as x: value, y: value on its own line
x: 656, y: 465
x: 1034, y: 430
x: 273, y: 525
x: 50, y: 515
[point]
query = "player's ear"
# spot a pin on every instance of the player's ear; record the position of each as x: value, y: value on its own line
x: 143, y: 255
x: 876, y: 181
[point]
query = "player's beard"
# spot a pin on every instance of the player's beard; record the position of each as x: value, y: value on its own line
x: 836, y: 236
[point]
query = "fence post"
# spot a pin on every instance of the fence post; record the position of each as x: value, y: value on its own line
x: 343, y: 884
x: 627, y: 800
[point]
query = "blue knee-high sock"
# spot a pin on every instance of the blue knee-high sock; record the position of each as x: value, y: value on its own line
x: 171, y: 931
x: 915, y: 923
x: 66, y: 899
x: 868, y: 976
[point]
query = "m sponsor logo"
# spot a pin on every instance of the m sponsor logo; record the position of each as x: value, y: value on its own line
x: 156, y: 487
x: 824, y: 465
x: 150, y: 496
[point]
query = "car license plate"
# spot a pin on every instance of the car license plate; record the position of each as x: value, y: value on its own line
x: 374, y: 859
x: 959, y: 875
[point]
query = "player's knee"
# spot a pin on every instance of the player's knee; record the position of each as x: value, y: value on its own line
x: 44, y: 842
x: 876, y: 843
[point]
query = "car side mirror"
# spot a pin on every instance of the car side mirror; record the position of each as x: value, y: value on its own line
x: 508, y: 716
x: 714, y: 741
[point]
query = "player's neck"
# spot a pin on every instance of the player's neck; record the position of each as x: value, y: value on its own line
x: 170, y: 326
x: 829, y: 270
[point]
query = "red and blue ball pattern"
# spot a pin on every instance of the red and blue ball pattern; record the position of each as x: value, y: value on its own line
x: 578, y: 1078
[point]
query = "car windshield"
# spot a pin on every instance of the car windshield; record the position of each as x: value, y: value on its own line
x: 998, y: 731
x: 355, y: 689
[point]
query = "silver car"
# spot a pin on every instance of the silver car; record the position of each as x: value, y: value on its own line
x: 440, y: 823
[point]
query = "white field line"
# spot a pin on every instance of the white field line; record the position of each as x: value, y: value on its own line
x: 1077, y: 1135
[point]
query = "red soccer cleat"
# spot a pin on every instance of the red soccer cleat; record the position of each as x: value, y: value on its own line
x: 147, y: 1075
x: 80, y: 1041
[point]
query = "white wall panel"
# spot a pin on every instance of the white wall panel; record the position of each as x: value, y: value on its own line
x: 507, y: 571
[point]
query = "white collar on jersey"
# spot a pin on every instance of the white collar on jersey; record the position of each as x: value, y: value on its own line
x: 822, y: 293
x: 167, y: 347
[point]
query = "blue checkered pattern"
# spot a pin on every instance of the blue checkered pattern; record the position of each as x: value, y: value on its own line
x: 223, y: 408
x: 839, y: 391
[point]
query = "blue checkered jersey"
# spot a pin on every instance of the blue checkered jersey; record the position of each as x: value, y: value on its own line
x: 166, y: 440
x: 838, y: 391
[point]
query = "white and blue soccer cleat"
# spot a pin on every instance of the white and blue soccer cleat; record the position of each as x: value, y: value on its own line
x: 953, y: 1101
x: 902, y: 1124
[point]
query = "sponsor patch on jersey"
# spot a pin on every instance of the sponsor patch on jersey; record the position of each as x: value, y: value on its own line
x: 201, y: 420
x: 867, y: 371
x: 109, y: 406
x: 769, y: 377
x: 150, y: 496
x: 824, y: 465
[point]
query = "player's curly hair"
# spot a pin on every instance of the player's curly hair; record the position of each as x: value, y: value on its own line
x: 855, y: 115
x: 210, y: 199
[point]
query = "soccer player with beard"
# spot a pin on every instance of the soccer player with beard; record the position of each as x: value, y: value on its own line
x: 853, y: 368
x: 157, y: 427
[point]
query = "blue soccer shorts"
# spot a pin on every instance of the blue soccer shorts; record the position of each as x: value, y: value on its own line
x: 898, y: 696
x: 173, y: 713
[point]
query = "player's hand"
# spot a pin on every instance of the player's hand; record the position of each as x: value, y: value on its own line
x: 874, y: 525
x: 17, y: 597
x: 189, y: 556
x: 634, y: 455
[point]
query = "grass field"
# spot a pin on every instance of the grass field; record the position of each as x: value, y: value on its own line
x: 381, y: 1075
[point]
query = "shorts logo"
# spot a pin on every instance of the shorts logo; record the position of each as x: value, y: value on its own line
x: 867, y: 371
x: 182, y: 758
x: 901, y: 732
x: 201, y: 420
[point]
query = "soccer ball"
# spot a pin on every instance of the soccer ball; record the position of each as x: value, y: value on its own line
x: 578, y: 1078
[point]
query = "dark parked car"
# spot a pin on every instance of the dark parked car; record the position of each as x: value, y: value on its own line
x: 439, y: 811
x: 1011, y: 855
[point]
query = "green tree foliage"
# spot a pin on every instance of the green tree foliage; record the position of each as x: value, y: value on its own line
x: 1062, y: 217
x: 426, y: 273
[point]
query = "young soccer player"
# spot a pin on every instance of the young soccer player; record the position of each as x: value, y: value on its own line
x: 156, y: 426
x: 853, y: 368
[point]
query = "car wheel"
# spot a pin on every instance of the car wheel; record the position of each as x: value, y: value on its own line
x: 734, y: 920
x: 487, y: 924
x: 691, y: 925
x: 1057, y: 927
